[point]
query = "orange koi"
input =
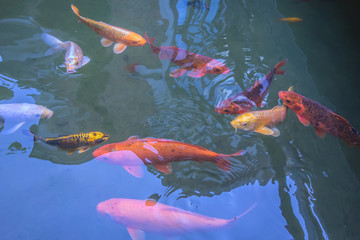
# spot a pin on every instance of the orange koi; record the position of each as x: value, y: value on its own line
x: 121, y: 36
x: 322, y: 119
x: 291, y: 19
x: 139, y: 216
x: 134, y: 152
x: 197, y: 65
x: 244, y: 101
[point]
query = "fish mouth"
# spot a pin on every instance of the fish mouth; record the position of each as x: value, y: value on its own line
x: 227, y: 71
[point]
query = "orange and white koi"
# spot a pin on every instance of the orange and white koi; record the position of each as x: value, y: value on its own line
x: 197, y: 65
x: 74, y: 58
x: 134, y: 152
x: 121, y: 36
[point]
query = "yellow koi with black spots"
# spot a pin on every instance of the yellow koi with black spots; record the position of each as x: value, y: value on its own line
x: 71, y: 143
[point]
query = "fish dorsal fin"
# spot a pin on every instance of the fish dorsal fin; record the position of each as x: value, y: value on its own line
x: 133, y: 138
x: 136, y: 234
x: 255, y: 84
x: 135, y: 170
x: 150, y: 202
x: 165, y: 168
x: 342, y: 119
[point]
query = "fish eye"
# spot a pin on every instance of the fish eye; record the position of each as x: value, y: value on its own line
x: 245, y: 124
x: 226, y: 110
x: 217, y: 69
x: 76, y: 63
x: 134, y: 42
x: 94, y: 134
x: 288, y: 101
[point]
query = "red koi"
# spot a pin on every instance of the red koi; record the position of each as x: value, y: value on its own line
x: 322, y: 119
x: 197, y: 65
x: 244, y: 101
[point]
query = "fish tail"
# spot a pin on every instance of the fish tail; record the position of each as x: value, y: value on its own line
x: 150, y: 41
x: 38, y: 138
x: 75, y: 10
x: 54, y: 43
x: 279, y: 65
x: 223, y: 160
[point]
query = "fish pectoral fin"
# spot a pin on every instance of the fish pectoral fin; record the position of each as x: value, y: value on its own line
x: 165, y: 168
x: 276, y: 132
x: 304, y: 121
x: 178, y: 72
x: 319, y: 132
x: 196, y: 73
x: 119, y: 48
x: 13, y: 129
x: 136, y: 234
x: 106, y: 42
x: 135, y: 170
x: 265, y: 131
x: 83, y: 149
x: 85, y: 60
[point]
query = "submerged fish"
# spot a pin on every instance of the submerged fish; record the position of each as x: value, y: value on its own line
x: 15, y: 115
x: 197, y: 65
x: 322, y: 119
x: 244, y: 101
x: 138, y: 216
x: 198, y: 4
x: 264, y: 121
x: 74, y: 58
x: 134, y: 152
x: 121, y: 36
x: 291, y: 19
x: 71, y: 143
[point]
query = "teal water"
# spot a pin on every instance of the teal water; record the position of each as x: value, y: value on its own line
x: 304, y: 187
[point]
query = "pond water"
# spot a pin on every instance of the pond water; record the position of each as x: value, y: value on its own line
x: 304, y: 187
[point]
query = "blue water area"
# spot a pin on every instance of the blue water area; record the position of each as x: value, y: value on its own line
x: 302, y: 186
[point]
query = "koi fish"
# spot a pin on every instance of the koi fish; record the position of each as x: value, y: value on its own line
x: 322, y: 119
x: 291, y: 19
x: 16, y: 114
x: 70, y: 143
x: 244, y: 101
x: 197, y: 65
x: 134, y: 152
x: 264, y: 121
x: 138, y: 216
x: 74, y: 58
x: 121, y: 36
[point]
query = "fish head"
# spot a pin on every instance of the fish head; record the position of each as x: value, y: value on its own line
x: 228, y: 107
x: 98, y: 137
x: 113, y: 208
x: 46, y: 113
x: 216, y: 67
x: 292, y: 100
x: 245, y: 121
x: 72, y: 63
x: 134, y: 39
